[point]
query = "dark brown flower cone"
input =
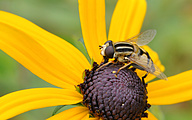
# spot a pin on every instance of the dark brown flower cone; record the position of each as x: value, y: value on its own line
x: 110, y: 97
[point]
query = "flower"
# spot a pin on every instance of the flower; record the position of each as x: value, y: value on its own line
x: 61, y: 64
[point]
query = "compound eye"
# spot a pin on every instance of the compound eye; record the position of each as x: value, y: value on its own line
x: 109, y: 51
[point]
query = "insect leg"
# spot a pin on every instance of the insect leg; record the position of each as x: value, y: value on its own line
x: 115, y: 59
x: 144, y: 80
x: 104, y: 65
x: 122, y: 68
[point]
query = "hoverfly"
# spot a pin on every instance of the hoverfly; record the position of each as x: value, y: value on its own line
x: 130, y: 52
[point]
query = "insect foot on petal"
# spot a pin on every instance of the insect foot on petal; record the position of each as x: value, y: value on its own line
x: 114, y: 98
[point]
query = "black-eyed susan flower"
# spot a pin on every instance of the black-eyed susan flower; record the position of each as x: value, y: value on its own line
x: 61, y: 64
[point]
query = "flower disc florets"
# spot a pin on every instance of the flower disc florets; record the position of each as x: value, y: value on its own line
x: 110, y: 97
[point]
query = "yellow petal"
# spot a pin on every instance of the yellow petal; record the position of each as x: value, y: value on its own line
x: 127, y: 19
x: 44, y: 54
x: 87, y: 118
x: 92, y: 17
x: 94, y: 119
x: 150, y: 117
x: 154, y: 56
x: 21, y: 101
x: 76, y: 113
x: 177, y: 89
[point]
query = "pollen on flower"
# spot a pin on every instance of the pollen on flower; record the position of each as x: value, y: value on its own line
x: 114, y: 98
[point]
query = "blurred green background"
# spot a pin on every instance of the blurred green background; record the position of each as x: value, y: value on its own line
x: 171, y: 18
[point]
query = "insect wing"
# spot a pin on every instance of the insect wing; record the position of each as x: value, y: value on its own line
x: 144, y: 37
x: 148, y: 65
x: 158, y: 73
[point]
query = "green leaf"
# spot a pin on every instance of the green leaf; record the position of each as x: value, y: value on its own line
x: 57, y: 109
x: 64, y: 107
x: 78, y: 89
x: 92, y: 61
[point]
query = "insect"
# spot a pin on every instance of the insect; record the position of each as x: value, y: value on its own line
x: 130, y: 52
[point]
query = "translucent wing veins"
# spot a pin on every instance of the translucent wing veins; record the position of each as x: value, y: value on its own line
x: 144, y: 37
